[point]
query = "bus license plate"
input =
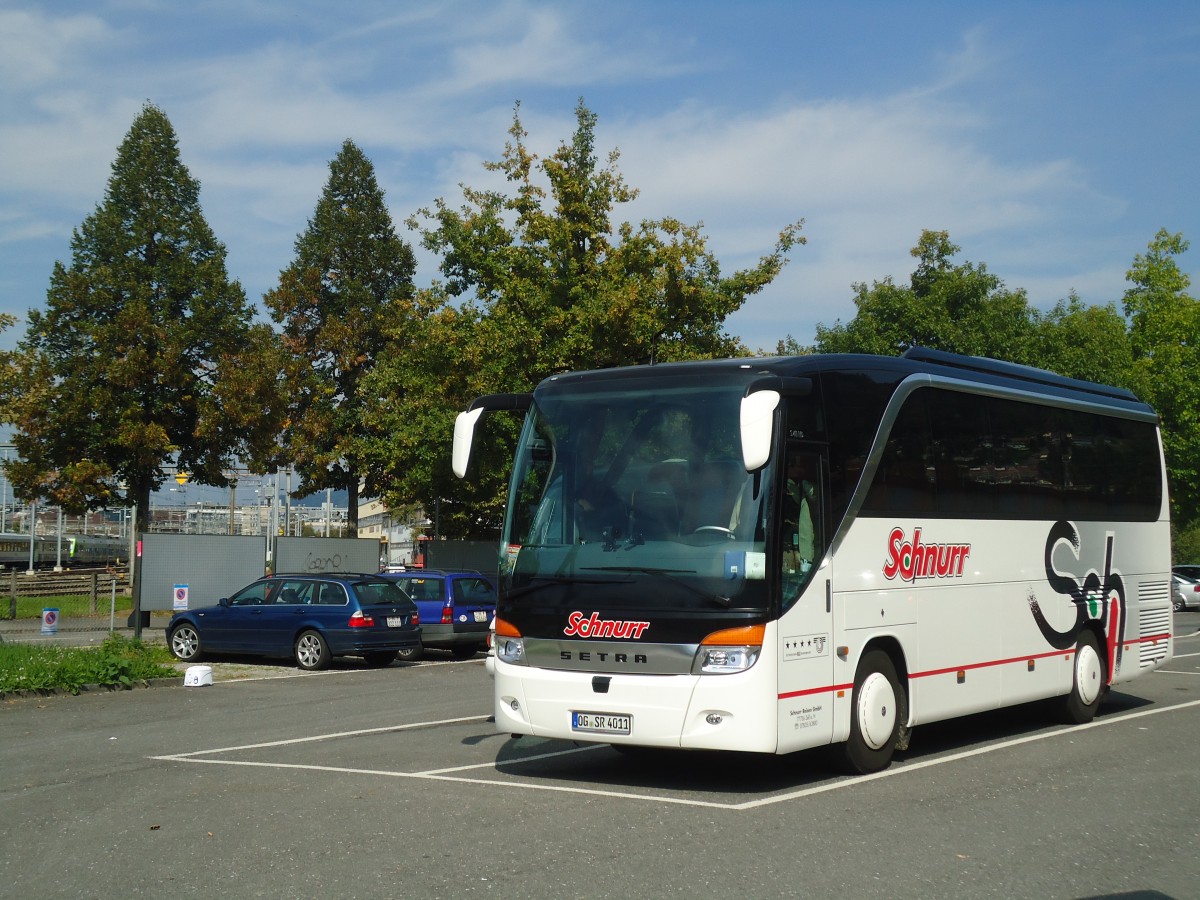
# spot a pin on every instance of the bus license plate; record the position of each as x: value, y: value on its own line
x: 601, y: 723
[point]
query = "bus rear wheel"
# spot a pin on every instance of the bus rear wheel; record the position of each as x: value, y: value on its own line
x: 879, y: 710
x: 1090, y: 675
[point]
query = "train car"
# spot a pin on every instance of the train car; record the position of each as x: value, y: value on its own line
x: 78, y: 551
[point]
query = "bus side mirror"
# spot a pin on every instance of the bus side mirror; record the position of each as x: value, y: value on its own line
x: 464, y: 425
x: 464, y: 437
x: 757, y: 421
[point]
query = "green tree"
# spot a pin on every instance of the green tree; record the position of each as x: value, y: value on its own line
x: 1164, y: 332
x: 1081, y: 341
x: 958, y: 308
x: 350, y: 279
x: 572, y: 290
x: 536, y: 282
x: 125, y: 374
x: 966, y: 309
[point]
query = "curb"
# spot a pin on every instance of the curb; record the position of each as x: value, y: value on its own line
x: 91, y: 689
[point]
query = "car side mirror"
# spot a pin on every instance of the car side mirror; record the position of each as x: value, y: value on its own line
x: 224, y: 601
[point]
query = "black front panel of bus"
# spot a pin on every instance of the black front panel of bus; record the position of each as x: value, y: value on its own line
x: 631, y: 624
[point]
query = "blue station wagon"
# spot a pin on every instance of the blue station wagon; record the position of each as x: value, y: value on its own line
x: 456, y: 608
x: 311, y: 618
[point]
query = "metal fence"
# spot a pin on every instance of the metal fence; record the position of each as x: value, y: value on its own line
x: 91, y: 597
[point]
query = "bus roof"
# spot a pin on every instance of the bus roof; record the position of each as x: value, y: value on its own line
x: 918, y: 360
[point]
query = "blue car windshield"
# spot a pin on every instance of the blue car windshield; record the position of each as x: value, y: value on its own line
x: 380, y: 593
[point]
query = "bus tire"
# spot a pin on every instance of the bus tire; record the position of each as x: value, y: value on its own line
x: 878, y: 711
x: 1089, y: 676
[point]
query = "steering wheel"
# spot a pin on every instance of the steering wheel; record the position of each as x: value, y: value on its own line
x: 715, y: 529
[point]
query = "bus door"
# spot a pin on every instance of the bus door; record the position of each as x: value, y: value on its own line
x: 805, y: 573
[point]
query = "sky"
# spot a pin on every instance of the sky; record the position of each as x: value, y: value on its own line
x: 1052, y: 140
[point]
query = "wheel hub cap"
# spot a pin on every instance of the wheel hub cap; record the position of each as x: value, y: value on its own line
x: 876, y: 710
x: 1088, y: 674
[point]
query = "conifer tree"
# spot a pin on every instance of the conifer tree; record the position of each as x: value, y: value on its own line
x: 134, y: 366
x: 351, y: 275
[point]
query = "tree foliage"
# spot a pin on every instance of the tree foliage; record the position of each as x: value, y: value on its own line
x: 965, y: 309
x: 128, y: 369
x: 957, y: 308
x: 1151, y: 346
x: 548, y: 265
x: 350, y: 279
x: 539, y: 281
x: 1164, y: 337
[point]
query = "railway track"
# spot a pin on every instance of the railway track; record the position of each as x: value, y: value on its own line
x: 54, y: 584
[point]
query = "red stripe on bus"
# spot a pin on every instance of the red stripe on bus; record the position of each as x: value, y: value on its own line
x: 1155, y: 638
x: 1152, y: 639
x: 987, y: 665
x: 820, y: 690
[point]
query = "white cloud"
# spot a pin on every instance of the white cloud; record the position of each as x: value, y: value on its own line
x: 263, y: 93
x: 36, y: 48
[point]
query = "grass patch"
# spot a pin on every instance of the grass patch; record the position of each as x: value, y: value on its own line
x: 72, y: 605
x: 118, y: 662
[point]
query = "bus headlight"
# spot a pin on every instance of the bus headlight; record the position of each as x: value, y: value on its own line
x: 510, y: 646
x: 510, y: 650
x: 728, y: 651
x: 724, y: 660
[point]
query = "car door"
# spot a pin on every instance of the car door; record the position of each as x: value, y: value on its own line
x: 277, y: 624
x: 235, y: 625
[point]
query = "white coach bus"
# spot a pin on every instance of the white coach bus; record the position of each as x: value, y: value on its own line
x: 775, y: 554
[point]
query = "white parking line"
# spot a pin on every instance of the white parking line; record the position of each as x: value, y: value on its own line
x: 512, y: 762
x: 898, y: 769
x: 323, y: 737
x: 220, y: 681
x: 966, y: 754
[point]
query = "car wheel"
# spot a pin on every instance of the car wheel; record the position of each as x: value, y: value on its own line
x: 312, y: 652
x: 1087, y: 682
x: 464, y: 651
x: 379, y: 660
x: 1178, y: 605
x: 185, y: 642
x: 412, y: 654
x: 879, y: 710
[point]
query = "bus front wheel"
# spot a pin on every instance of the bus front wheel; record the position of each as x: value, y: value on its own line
x: 879, y: 711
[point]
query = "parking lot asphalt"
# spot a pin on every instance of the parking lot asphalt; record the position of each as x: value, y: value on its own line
x: 394, y: 783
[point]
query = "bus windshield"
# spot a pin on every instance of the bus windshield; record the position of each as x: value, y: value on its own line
x: 635, y: 496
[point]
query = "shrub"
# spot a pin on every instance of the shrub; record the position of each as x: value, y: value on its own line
x: 118, y: 662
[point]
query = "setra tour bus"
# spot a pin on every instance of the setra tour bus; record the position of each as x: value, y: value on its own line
x: 776, y: 554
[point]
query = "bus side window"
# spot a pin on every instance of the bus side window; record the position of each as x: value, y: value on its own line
x: 801, y: 520
x: 904, y: 481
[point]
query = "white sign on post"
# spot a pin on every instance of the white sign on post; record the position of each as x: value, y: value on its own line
x: 180, y: 597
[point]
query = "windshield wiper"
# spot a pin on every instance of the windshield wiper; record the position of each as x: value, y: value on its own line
x: 550, y: 581
x: 671, y: 575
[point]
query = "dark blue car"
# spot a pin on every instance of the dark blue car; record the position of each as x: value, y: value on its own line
x: 311, y: 618
x: 456, y: 608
